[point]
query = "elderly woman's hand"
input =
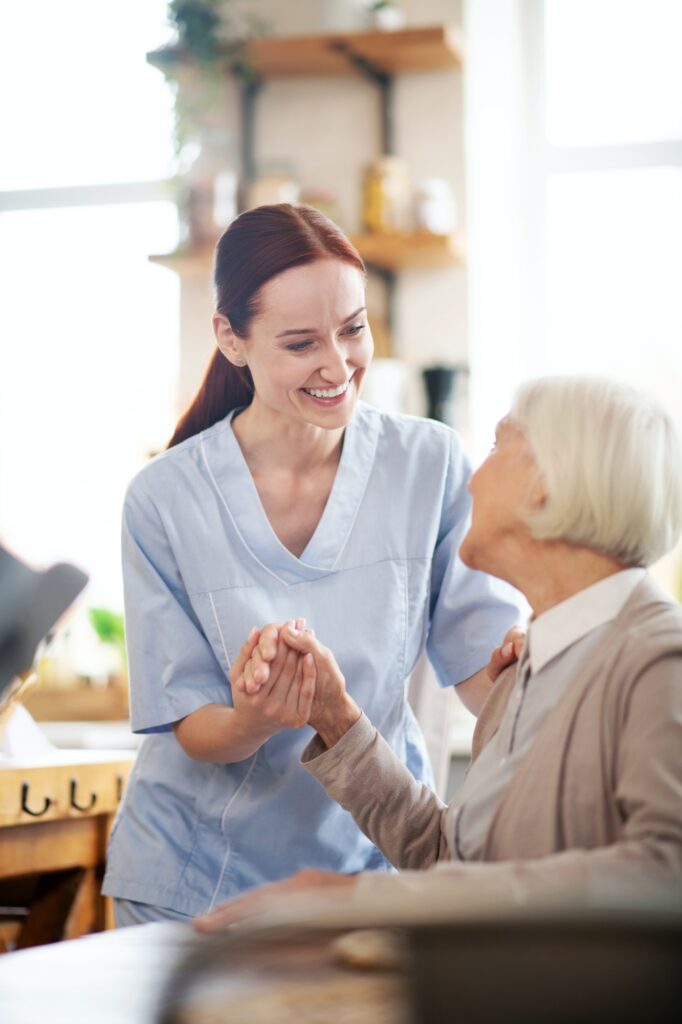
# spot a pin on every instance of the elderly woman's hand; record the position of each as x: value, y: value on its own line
x: 333, y: 710
x: 297, y: 650
x: 274, y: 896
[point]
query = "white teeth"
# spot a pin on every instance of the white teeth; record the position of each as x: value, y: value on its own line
x: 331, y: 393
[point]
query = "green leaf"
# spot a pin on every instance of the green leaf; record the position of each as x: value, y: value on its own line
x: 108, y: 626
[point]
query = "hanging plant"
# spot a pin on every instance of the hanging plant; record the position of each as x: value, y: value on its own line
x: 212, y: 40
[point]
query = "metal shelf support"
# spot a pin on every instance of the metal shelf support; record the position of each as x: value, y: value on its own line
x: 249, y: 89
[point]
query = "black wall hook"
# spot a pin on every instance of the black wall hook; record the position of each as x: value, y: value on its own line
x: 24, y: 803
x: 74, y: 802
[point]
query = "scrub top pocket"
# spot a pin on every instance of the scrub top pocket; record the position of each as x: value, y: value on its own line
x: 359, y: 613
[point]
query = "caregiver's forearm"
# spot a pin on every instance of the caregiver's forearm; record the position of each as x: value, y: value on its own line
x: 473, y: 692
x: 221, y: 734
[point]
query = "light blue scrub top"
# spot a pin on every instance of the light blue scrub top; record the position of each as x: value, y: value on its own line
x: 379, y: 579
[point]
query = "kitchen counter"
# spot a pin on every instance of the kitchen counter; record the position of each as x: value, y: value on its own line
x: 56, y: 811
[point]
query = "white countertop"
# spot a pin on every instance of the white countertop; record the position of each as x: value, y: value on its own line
x: 91, y: 735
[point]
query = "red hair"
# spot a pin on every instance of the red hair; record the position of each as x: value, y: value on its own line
x: 257, y: 246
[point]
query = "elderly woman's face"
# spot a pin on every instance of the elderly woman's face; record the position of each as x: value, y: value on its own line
x: 505, y: 486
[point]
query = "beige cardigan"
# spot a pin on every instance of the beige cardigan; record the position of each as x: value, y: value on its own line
x: 595, y: 803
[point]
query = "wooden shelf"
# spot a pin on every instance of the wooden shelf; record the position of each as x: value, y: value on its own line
x: 398, y: 251
x: 186, y: 261
x: 413, y: 49
x: 69, y: 703
x: 409, y: 250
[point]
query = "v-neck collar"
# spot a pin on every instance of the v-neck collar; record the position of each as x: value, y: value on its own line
x: 232, y: 478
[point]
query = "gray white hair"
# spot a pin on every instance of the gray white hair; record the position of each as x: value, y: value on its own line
x: 611, y: 459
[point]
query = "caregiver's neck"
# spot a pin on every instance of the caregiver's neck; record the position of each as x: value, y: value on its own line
x: 548, y: 572
x: 268, y: 439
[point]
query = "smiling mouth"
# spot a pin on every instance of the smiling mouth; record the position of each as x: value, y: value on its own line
x: 329, y: 392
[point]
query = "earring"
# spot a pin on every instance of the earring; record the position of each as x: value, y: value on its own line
x: 240, y: 362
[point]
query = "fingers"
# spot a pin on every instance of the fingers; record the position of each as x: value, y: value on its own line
x: 284, y: 683
x: 508, y: 652
x: 256, y: 672
x: 277, y: 665
x: 272, y: 896
x: 302, y: 640
x: 306, y: 689
x: 264, y: 666
x: 244, y: 655
x: 267, y: 644
x: 229, y: 913
x: 513, y: 642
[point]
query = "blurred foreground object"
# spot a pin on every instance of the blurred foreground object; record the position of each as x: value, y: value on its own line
x: 565, y: 958
x: 31, y: 601
x: 479, y: 957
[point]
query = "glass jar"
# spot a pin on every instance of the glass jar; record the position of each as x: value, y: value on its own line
x: 276, y: 183
x: 386, y: 196
x: 434, y: 207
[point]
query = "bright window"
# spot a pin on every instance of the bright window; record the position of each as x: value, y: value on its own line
x: 575, y: 190
x: 88, y: 326
x: 614, y: 273
x: 79, y: 103
x: 611, y: 140
x: 613, y: 71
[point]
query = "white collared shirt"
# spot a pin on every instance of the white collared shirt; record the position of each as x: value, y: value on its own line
x: 557, y: 645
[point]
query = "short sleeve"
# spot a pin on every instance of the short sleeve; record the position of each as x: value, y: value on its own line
x: 470, y: 610
x: 172, y: 668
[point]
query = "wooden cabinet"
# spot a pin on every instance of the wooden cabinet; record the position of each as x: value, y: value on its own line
x: 56, y: 813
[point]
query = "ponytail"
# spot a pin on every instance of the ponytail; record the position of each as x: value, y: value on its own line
x: 225, y: 387
x: 257, y: 246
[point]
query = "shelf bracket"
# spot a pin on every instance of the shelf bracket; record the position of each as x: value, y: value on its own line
x: 389, y: 279
x: 384, y: 82
x: 249, y: 87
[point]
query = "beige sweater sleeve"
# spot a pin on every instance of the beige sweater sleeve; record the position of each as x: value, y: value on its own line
x: 404, y: 819
x: 646, y: 858
x: 401, y: 816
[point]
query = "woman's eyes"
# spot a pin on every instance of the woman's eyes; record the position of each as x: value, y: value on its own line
x: 355, y: 329
x: 302, y: 346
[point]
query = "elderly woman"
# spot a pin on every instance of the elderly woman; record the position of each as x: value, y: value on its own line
x: 576, y: 773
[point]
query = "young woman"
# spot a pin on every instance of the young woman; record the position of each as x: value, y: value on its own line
x: 282, y: 498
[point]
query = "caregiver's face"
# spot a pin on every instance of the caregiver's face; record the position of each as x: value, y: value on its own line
x: 309, y: 347
x: 505, y: 486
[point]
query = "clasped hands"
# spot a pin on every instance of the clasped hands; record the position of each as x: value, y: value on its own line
x: 284, y: 676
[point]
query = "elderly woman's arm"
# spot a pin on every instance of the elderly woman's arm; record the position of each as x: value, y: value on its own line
x: 401, y: 816
x: 359, y: 770
x: 647, y: 855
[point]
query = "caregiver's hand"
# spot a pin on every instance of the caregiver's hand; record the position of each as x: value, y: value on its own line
x: 225, y: 735
x: 274, y: 896
x: 507, y: 653
x: 284, y: 700
x: 255, y: 671
x: 474, y: 691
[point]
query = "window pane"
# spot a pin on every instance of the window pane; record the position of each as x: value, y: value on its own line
x: 615, y: 266
x: 88, y: 367
x: 80, y: 105
x: 613, y: 71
